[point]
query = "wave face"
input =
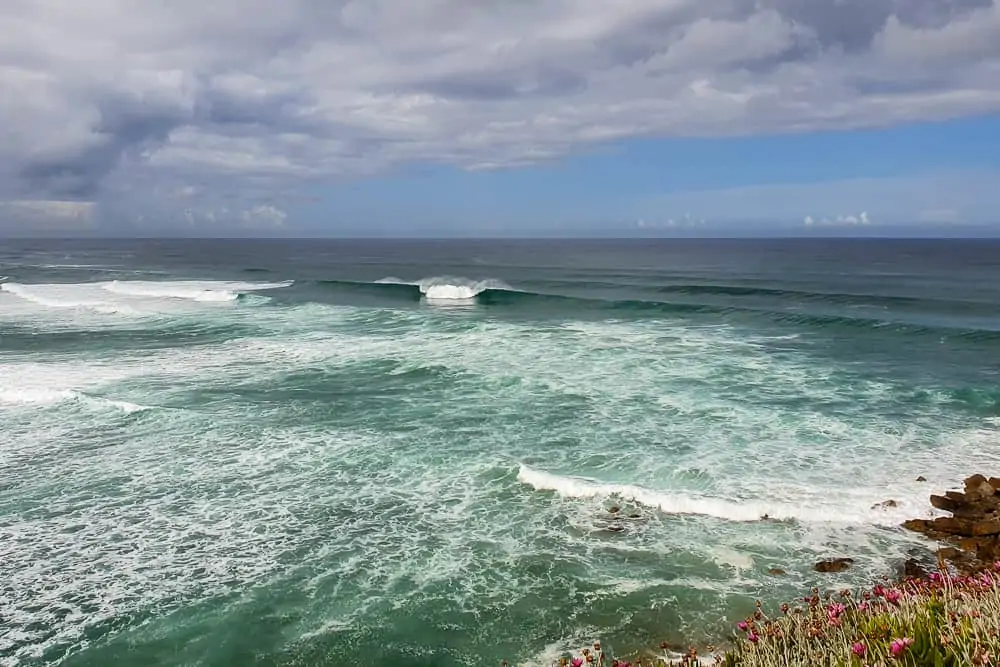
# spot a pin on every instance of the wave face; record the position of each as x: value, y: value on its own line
x: 358, y: 459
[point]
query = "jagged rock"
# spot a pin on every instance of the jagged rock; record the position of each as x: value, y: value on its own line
x: 835, y: 565
x: 947, y: 504
x: 973, y: 528
x: 973, y: 482
x: 950, y: 525
x: 885, y: 505
x: 921, y: 479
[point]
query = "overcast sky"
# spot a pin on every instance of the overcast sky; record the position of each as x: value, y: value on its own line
x: 416, y: 117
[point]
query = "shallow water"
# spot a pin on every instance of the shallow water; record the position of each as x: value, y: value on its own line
x: 407, y: 453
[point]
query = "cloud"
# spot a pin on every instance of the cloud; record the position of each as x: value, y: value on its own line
x: 23, y: 216
x: 264, y: 216
x: 966, y: 195
x: 116, y: 97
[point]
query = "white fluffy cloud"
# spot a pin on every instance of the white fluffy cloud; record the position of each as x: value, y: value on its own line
x: 109, y: 98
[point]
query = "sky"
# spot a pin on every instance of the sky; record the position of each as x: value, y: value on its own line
x: 499, y: 117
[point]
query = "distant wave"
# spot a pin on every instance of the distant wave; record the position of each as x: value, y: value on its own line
x: 100, y: 296
x: 193, y: 290
x: 498, y: 293
x: 435, y: 288
x: 690, y: 504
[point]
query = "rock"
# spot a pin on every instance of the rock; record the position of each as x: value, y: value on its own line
x: 950, y: 553
x: 978, y: 487
x: 835, y: 565
x: 914, y: 569
x: 918, y: 525
x: 885, y: 505
x: 950, y: 525
x: 614, y: 510
x: 615, y: 528
x: 947, y: 504
x: 776, y: 571
x: 984, y: 528
x: 973, y: 530
x: 635, y: 515
x: 973, y: 482
x: 921, y: 479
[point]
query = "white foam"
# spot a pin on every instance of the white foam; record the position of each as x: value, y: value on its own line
x: 703, y: 505
x: 69, y: 296
x: 449, y: 288
x: 192, y: 290
x: 132, y: 296
x: 33, y: 396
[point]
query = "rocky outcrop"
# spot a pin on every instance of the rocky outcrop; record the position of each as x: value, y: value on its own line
x: 835, y: 565
x: 973, y: 530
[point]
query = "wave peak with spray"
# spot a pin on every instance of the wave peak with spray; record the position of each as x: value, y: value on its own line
x: 450, y: 288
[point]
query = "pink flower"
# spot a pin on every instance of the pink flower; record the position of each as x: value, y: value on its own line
x: 835, y: 610
x: 753, y: 637
x: 863, y: 606
x: 858, y: 649
x: 899, y: 646
x: 879, y: 591
x: 742, y: 625
x: 893, y: 596
x: 576, y: 662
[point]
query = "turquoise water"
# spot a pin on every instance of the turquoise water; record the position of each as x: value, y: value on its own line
x: 316, y: 453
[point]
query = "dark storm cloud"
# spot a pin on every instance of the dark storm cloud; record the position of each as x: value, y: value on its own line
x: 108, y: 97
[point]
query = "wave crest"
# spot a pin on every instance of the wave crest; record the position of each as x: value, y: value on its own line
x: 449, y: 288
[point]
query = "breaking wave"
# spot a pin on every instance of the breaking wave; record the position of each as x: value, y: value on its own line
x: 129, y: 296
x: 193, y: 290
x: 699, y: 505
x: 447, y: 288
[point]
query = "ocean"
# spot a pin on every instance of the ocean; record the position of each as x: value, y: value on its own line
x: 232, y: 453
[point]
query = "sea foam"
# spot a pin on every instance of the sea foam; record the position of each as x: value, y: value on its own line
x: 127, y: 296
x: 701, y: 505
x: 449, y: 288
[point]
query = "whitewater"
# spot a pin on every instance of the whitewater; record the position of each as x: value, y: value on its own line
x: 233, y: 453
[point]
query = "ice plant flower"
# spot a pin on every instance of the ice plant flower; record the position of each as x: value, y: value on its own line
x: 576, y: 662
x: 742, y: 625
x: 899, y: 646
x: 893, y: 596
x: 753, y: 637
x: 858, y: 649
